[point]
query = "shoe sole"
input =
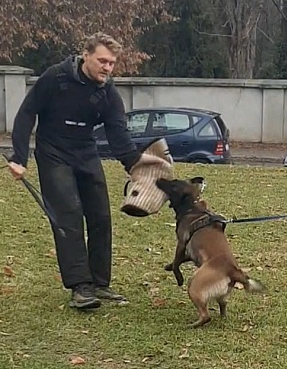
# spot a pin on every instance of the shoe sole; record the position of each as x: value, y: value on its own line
x: 85, y: 305
x: 114, y: 301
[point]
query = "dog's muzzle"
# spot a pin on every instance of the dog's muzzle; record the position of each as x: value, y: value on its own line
x: 142, y: 196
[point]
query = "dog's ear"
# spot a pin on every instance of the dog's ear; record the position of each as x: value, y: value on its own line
x: 198, y: 181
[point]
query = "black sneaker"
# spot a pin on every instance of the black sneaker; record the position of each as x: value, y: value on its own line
x: 106, y: 293
x: 83, y: 297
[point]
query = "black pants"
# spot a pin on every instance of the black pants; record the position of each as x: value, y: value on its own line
x: 73, y: 195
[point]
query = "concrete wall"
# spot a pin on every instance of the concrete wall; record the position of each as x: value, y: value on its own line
x: 254, y: 110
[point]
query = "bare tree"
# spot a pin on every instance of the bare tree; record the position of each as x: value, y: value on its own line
x: 240, y: 19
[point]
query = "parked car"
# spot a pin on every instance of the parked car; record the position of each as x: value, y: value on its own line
x: 193, y: 135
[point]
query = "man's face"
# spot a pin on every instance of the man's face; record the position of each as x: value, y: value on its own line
x: 99, y: 65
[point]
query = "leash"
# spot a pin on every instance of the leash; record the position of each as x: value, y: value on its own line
x: 47, y: 209
x: 256, y: 219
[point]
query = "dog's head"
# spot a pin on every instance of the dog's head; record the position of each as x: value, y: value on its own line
x: 182, y: 192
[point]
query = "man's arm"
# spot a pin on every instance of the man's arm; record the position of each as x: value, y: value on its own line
x: 25, y: 119
x: 117, y: 133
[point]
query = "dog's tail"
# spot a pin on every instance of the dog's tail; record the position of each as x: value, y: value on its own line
x: 249, y: 284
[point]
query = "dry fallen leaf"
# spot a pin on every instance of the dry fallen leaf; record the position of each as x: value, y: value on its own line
x: 5, y: 334
x: 145, y: 359
x: 109, y: 360
x: 9, y: 259
x: 8, y: 271
x: 157, y: 302
x: 245, y: 328
x: 259, y: 268
x: 184, y: 354
x: 51, y: 254
x: 246, y: 270
x: 239, y: 286
x: 154, y: 291
x: 58, y: 277
x: 6, y: 290
x: 77, y: 360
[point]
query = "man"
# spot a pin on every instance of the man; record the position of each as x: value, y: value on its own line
x: 71, y: 98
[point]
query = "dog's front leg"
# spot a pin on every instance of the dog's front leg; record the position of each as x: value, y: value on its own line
x: 177, y: 261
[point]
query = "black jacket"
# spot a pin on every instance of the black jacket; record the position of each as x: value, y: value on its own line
x: 69, y: 105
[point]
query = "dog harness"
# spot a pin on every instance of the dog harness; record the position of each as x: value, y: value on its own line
x: 206, y: 219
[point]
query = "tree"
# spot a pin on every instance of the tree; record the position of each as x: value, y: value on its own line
x: 31, y: 24
x: 239, y: 28
x: 178, y: 49
x: 281, y: 60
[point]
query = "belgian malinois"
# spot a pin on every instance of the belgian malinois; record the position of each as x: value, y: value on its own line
x: 201, y: 239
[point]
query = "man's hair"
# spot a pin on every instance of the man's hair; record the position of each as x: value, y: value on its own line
x: 100, y: 38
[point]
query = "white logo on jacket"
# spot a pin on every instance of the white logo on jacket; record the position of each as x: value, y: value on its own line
x: 72, y: 123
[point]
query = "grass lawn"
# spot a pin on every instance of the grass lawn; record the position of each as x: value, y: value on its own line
x: 39, y: 331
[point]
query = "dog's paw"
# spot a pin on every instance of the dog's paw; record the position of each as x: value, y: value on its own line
x: 168, y: 267
x: 179, y: 281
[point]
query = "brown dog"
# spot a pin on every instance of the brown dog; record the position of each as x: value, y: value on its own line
x: 201, y: 239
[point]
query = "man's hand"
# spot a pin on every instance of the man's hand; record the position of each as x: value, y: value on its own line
x: 17, y: 170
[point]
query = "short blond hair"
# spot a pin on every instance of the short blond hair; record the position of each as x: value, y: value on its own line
x: 101, y: 38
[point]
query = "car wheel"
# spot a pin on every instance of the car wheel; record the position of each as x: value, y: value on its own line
x: 200, y: 161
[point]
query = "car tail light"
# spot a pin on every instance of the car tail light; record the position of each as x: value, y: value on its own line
x: 219, y: 148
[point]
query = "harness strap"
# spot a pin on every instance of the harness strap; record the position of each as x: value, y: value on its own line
x: 205, y: 220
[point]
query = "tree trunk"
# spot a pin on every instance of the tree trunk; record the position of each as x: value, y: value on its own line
x: 240, y: 20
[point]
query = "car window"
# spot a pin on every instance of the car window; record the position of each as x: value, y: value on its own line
x: 168, y: 123
x: 208, y: 130
x: 221, y: 125
x: 137, y: 123
x: 195, y: 119
x: 100, y: 133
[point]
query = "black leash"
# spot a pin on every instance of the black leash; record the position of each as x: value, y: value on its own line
x: 47, y: 209
x: 257, y: 219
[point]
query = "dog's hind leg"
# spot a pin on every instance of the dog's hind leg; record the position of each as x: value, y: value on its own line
x: 222, y: 300
x: 199, y: 300
x: 222, y: 305
x: 201, y: 306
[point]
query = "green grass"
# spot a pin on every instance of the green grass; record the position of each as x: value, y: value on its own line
x: 39, y: 331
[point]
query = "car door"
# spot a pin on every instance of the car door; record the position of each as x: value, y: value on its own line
x: 176, y: 128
